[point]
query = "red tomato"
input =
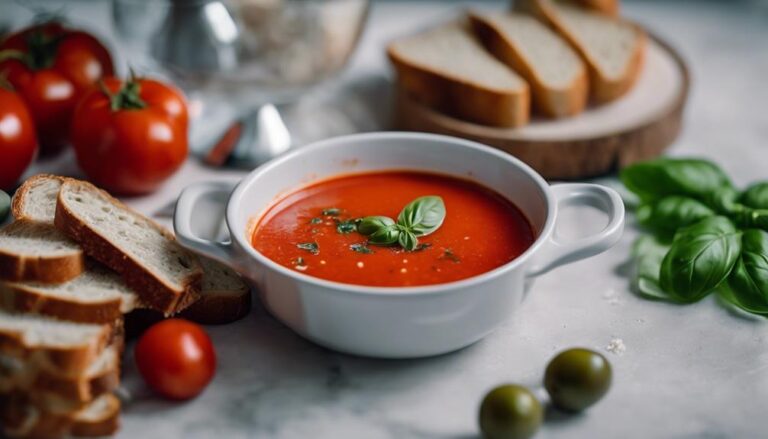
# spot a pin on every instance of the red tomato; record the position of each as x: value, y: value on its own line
x: 132, y: 135
x: 176, y: 359
x: 18, y: 142
x: 51, y: 67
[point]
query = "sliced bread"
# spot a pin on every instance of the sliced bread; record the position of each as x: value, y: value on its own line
x: 225, y: 298
x: 613, y: 49
x: 102, y: 376
x: 446, y: 68
x: 31, y: 251
x: 35, y: 200
x: 23, y: 418
x: 555, y: 72
x: 167, y: 276
x: 64, y: 348
x: 98, y: 295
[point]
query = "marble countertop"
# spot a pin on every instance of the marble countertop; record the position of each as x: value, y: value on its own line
x: 694, y: 371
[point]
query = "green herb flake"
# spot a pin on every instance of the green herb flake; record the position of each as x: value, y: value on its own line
x: 422, y: 246
x: 450, y: 255
x: 361, y: 248
x: 346, y: 226
x: 316, y: 220
x: 332, y: 211
x: 311, y: 247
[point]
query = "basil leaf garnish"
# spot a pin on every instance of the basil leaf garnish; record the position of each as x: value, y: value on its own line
x: 420, y: 217
x: 408, y: 240
x: 701, y: 257
x: 671, y: 213
x: 749, y: 280
x: 423, y: 215
x: 387, y: 235
x: 371, y: 224
x: 647, y: 256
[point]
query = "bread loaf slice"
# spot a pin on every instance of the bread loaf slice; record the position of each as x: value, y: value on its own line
x: 612, y: 48
x: 224, y: 299
x: 22, y: 418
x: 64, y: 348
x: 98, y: 295
x: 166, y: 276
x: 446, y: 68
x: 555, y: 72
x: 102, y: 376
x: 31, y: 251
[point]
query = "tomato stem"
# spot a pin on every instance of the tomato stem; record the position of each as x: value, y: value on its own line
x: 127, y: 98
x: 42, y: 50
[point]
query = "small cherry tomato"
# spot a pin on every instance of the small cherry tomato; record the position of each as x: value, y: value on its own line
x: 130, y: 136
x: 51, y: 67
x: 18, y: 142
x: 176, y: 359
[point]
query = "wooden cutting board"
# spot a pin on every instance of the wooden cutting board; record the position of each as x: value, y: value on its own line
x: 638, y: 126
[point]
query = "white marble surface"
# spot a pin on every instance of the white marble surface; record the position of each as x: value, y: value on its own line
x: 694, y: 371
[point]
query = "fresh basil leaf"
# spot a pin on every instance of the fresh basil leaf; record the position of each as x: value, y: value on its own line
x: 701, y: 257
x: 672, y: 213
x: 662, y: 177
x: 423, y: 215
x: 749, y: 279
x: 647, y: 255
x: 311, y: 247
x: 756, y: 196
x: 384, y: 236
x: 5, y: 205
x: 371, y: 224
x: 408, y: 240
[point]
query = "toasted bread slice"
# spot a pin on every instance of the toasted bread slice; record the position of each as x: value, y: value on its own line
x: 167, y: 276
x: 98, y: 295
x: 65, y: 348
x: 608, y: 7
x: 31, y: 251
x: 613, y: 49
x: 23, y: 418
x: 555, y: 72
x: 446, y: 68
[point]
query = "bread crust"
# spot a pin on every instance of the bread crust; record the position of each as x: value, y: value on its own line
x: 153, y: 292
x: 26, y: 299
x: 15, y: 267
x: 67, y: 362
x: 19, y: 198
x: 459, y: 97
x: 602, y: 88
x: 548, y: 101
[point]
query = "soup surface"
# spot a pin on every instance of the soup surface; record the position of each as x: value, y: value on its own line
x: 311, y: 230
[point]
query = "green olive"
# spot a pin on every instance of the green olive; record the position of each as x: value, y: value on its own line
x: 577, y: 378
x: 5, y: 205
x: 510, y: 412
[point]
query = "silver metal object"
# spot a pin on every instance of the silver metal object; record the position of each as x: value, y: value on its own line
x: 264, y: 137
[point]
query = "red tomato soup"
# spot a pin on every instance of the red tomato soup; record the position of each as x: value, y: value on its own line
x: 481, y: 231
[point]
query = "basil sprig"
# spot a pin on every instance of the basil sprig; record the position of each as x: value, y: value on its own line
x: 420, y: 217
x: 707, y: 236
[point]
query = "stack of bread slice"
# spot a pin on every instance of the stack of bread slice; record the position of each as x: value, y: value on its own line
x: 547, y: 57
x: 73, y: 264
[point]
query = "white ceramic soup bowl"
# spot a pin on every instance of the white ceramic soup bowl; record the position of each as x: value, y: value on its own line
x: 392, y: 322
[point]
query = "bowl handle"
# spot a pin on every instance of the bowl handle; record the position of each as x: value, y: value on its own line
x: 185, y: 216
x: 558, y: 252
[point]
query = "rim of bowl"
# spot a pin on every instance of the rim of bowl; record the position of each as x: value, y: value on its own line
x: 234, y: 202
